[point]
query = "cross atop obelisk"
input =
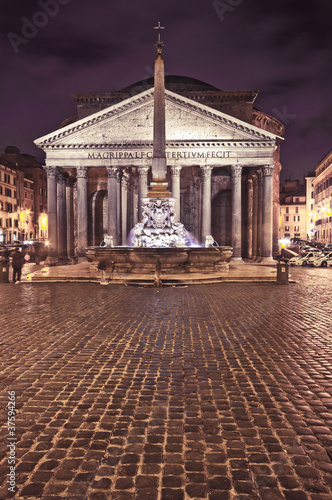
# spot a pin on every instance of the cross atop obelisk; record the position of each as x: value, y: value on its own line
x: 159, y: 168
x: 159, y: 41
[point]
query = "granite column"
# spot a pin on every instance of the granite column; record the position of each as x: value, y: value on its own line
x: 125, y: 184
x: 70, y: 216
x: 82, y: 211
x: 206, y: 201
x: 250, y: 217
x: 142, y: 189
x: 236, y: 213
x: 267, y: 214
x: 61, y: 214
x: 52, y: 210
x: 254, y: 217
x: 112, y: 204
x: 176, y: 193
x: 259, y: 215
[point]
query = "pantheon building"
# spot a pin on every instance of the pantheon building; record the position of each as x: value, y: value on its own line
x: 223, y: 166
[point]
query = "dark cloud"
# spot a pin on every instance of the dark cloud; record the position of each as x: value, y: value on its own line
x: 75, y: 50
x: 320, y: 124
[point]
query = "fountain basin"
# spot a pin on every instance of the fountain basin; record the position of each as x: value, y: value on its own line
x: 141, y: 260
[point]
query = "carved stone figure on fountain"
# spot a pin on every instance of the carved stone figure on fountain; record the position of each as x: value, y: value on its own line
x: 158, y: 227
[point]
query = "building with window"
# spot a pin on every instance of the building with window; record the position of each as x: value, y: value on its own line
x: 26, y: 215
x: 16, y: 205
x: 8, y: 205
x: 293, y: 211
x: 34, y: 202
x: 310, y: 202
x: 322, y: 214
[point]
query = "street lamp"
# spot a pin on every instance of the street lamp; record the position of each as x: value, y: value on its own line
x: 43, y: 224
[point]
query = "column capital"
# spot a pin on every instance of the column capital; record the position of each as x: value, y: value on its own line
x: 70, y: 181
x: 267, y: 170
x: 206, y: 171
x: 61, y: 175
x: 259, y: 174
x: 82, y: 172
x: 112, y: 172
x: 126, y: 177
x: 236, y: 171
x: 143, y: 171
x: 51, y: 171
x: 175, y: 170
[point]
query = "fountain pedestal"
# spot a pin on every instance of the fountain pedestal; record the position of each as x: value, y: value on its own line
x: 140, y: 260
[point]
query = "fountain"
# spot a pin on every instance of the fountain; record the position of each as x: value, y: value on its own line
x: 160, y: 243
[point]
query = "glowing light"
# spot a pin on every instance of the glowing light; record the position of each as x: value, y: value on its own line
x: 284, y: 242
x: 24, y: 216
x: 43, y: 222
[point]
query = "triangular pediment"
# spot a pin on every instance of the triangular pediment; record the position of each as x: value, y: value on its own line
x: 131, y: 120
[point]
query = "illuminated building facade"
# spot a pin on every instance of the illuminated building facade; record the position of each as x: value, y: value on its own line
x: 323, y: 200
x: 31, y: 193
x: 16, y: 206
x: 293, y: 210
x: 8, y: 205
x: 310, y: 210
x: 222, y: 167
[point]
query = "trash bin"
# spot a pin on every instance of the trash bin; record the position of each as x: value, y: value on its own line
x: 4, y: 271
x: 283, y: 271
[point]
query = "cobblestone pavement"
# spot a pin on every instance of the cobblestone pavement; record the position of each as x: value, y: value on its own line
x: 205, y: 392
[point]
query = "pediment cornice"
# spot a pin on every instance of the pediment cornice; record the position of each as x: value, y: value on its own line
x: 222, y: 118
x: 61, y: 137
x: 169, y: 145
x: 105, y: 114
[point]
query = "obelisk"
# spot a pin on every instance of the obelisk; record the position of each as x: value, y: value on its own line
x: 158, y: 186
x: 158, y: 228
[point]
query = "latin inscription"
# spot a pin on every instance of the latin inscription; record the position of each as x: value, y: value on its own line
x: 143, y: 155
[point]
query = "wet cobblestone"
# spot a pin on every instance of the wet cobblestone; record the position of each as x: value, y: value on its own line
x: 204, y: 392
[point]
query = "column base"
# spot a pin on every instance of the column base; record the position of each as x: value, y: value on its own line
x: 51, y: 261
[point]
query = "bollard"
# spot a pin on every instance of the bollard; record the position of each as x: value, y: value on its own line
x: 157, y: 275
x: 4, y: 271
x: 283, y: 271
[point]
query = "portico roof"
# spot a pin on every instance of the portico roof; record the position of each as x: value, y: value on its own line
x: 129, y: 125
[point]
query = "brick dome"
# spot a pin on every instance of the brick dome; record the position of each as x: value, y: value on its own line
x: 174, y: 83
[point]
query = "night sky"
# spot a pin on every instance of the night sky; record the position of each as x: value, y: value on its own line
x: 281, y: 48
